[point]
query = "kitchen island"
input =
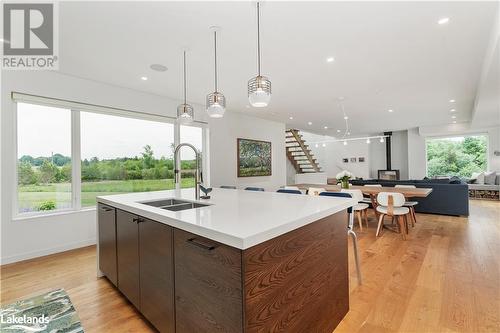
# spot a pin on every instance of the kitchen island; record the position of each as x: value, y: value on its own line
x: 240, y: 261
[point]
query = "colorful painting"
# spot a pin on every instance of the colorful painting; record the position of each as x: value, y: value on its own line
x: 254, y: 158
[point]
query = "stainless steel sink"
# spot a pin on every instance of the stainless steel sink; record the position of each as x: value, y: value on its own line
x: 174, y: 204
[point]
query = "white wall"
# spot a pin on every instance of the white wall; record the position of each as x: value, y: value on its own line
x: 23, y: 239
x: 330, y: 157
x: 416, y: 155
x: 399, y: 153
x: 223, y: 150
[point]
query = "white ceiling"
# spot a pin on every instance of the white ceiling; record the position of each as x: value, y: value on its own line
x: 388, y: 55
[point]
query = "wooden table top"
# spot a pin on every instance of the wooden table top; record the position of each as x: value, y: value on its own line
x: 372, y: 190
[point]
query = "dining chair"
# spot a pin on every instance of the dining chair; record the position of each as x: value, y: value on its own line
x: 368, y: 200
x: 282, y: 190
x: 410, y: 204
x: 350, y: 226
x: 391, y: 204
x: 361, y: 208
x: 228, y: 187
x: 291, y: 188
x: 315, y: 190
x: 250, y: 188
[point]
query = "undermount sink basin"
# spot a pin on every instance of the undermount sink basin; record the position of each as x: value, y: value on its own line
x: 174, y: 204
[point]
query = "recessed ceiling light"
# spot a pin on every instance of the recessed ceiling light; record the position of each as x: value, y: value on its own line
x: 309, y: 123
x: 316, y: 145
x: 144, y: 78
x: 452, y: 101
x: 453, y: 117
x: 338, y: 131
x: 291, y: 118
x: 454, y: 121
x: 346, y: 117
x: 390, y: 110
x: 324, y: 144
x: 326, y: 127
x: 158, y: 67
x: 330, y: 59
x: 453, y: 110
x: 443, y: 20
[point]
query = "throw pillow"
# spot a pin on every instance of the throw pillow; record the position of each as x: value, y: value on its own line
x: 480, y: 178
x: 489, y: 178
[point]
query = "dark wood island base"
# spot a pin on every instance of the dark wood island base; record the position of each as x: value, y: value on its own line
x: 296, y: 282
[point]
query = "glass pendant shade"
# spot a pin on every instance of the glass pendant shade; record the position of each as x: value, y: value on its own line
x: 259, y: 91
x: 216, y: 105
x: 185, y: 113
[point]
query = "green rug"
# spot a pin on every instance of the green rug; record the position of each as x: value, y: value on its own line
x: 51, y: 312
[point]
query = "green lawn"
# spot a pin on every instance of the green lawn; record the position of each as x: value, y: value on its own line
x: 32, y: 196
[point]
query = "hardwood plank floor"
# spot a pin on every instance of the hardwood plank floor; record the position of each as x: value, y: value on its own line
x: 444, y: 278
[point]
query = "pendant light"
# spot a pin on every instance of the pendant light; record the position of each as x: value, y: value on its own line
x: 259, y: 87
x: 185, y: 112
x: 216, y: 102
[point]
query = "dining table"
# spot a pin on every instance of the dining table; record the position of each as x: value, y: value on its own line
x: 372, y: 191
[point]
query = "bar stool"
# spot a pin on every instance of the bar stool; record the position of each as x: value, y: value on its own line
x: 361, y: 208
x: 391, y: 204
x: 349, y: 229
x: 410, y: 204
x: 250, y: 188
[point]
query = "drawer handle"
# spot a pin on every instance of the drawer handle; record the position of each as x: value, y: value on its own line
x: 106, y: 209
x: 138, y: 219
x: 201, y: 245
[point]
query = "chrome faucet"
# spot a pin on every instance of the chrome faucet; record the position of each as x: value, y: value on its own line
x: 199, y: 173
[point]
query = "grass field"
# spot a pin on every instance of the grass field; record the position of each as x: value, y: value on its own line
x: 32, y: 196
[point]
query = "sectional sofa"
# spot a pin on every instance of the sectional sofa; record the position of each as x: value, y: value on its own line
x: 448, y: 196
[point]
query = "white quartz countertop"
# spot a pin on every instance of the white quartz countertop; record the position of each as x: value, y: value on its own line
x: 236, y: 218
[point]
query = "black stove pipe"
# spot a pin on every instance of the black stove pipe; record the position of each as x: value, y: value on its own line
x: 388, y: 157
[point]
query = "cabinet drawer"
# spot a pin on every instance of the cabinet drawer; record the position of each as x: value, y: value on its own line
x: 107, y: 241
x: 208, y: 285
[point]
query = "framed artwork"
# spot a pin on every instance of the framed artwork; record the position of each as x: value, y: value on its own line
x: 353, y: 159
x: 345, y: 160
x: 254, y: 158
x: 361, y: 159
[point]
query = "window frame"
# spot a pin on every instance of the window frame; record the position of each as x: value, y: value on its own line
x: 76, y: 108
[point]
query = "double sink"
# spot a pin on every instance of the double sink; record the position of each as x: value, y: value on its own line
x: 174, y: 205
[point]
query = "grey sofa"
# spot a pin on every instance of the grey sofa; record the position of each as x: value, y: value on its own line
x: 448, y: 197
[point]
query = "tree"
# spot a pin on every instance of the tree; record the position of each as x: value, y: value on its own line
x: 26, y: 175
x: 147, y: 157
x: 48, y: 172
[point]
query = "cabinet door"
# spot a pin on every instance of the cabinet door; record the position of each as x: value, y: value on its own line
x: 127, y: 241
x: 157, y: 274
x: 208, y: 290
x: 107, y: 241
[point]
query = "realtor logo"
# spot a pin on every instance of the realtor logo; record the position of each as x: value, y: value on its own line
x: 29, y: 36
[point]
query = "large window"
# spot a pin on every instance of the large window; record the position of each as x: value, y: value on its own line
x: 67, y: 156
x: 194, y: 136
x: 44, y: 158
x: 456, y: 156
x: 121, y: 155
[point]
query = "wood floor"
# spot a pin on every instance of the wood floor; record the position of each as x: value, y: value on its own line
x: 444, y: 278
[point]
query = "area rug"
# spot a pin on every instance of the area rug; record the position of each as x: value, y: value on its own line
x: 51, y: 312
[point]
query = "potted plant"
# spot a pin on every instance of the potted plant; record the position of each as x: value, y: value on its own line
x: 344, y: 177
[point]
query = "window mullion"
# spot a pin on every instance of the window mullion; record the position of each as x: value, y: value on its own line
x: 76, y: 175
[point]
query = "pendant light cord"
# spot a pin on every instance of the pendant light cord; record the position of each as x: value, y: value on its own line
x: 258, y: 37
x: 184, y: 77
x: 215, y: 60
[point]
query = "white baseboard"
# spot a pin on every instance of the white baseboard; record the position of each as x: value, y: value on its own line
x: 45, y: 252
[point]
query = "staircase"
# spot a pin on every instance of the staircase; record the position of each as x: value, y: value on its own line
x: 299, y: 154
